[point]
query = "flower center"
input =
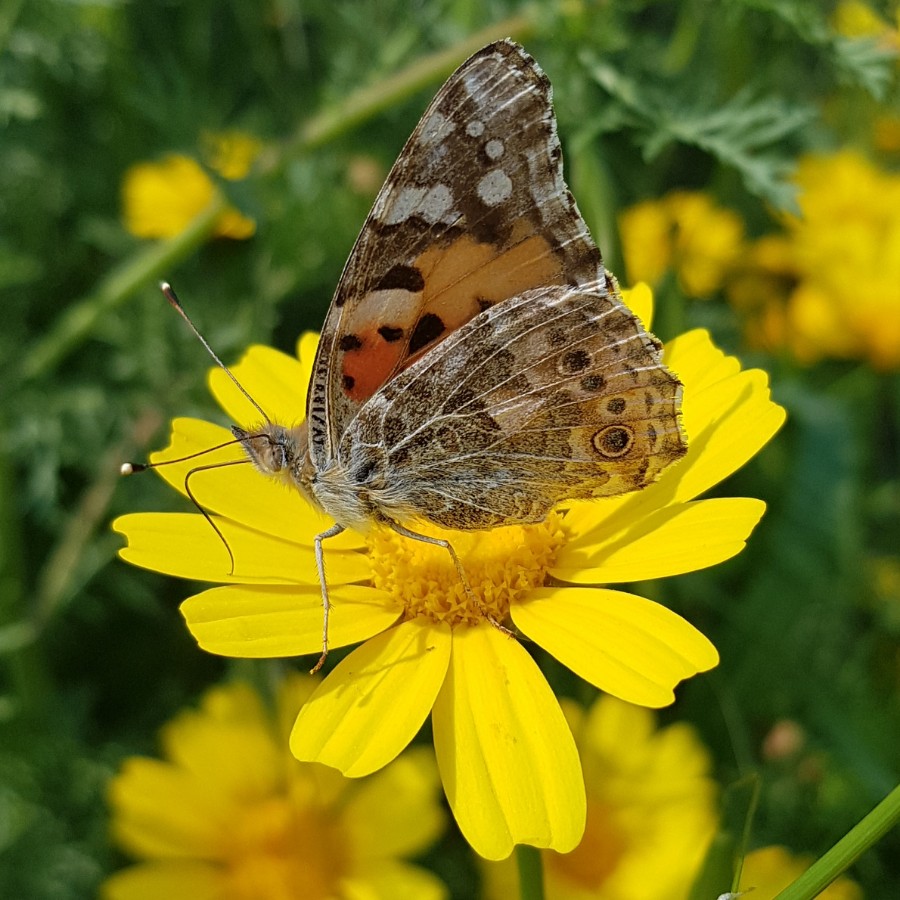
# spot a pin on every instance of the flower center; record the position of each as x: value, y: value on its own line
x: 598, y: 855
x: 279, y: 851
x: 500, y: 565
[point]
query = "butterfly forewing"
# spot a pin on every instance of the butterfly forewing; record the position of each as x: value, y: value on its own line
x: 474, y: 211
x: 556, y: 394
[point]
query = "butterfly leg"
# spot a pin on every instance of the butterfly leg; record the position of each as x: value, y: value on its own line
x: 326, y: 603
x: 460, y: 571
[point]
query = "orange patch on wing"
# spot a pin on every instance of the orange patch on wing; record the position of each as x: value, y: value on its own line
x: 458, y: 278
x: 367, y: 369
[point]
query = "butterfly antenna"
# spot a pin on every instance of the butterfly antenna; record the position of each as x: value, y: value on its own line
x: 170, y: 295
x: 130, y: 468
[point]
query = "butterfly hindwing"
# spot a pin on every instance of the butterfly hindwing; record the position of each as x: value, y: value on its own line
x: 474, y: 211
x: 556, y: 394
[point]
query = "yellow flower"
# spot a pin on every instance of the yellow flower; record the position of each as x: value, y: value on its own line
x: 507, y: 758
x: 846, y: 249
x: 830, y: 286
x: 759, y: 288
x: 650, y: 814
x: 855, y: 19
x: 228, y: 813
x: 685, y: 231
x: 160, y: 199
x: 646, y: 233
x: 769, y: 870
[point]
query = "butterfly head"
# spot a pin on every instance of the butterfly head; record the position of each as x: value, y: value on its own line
x: 275, y: 450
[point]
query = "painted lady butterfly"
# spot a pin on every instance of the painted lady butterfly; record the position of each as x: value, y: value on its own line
x: 477, y: 365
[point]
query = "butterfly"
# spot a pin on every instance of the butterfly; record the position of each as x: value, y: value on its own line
x: 477, y: 365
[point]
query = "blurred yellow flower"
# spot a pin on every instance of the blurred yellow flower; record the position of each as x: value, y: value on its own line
x: 886, y: 133
x: 846, y: 249
x: 829, y: 286
x: 228, y: 814
x: 769, y: 870
x: 507, y: 758
x: 856, y: 19
x: 646, y: 233
x: 685, y: 231
x: 160, y: 199
x: 651, y: 811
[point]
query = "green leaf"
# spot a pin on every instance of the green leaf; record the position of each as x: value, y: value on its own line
x: 746, y: 132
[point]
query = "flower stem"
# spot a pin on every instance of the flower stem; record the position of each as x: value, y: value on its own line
x: 369, y: 101
x: 152, y: 262
x: 846, y: 851
x: 531, y: 872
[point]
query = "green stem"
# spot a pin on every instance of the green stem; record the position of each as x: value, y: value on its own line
x: 369, y: 101
x: 847, y: 850
x: 154, y: 261
x: 531, y: 872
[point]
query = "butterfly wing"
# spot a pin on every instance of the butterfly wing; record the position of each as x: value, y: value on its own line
x: 474, y: 211
x: 556, y: 394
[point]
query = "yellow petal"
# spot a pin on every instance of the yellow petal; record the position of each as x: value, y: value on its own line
x: 150, y: 881
x: 639, y: 299
x: 393, y: 880
x: 276, y: 381
x: 371, y: 706
x: 698, y: 362
x: 263, y: 622
x: 507, y: 758
x: 680, y: 538
x: 732, y: 422
x: 163, y: 812
x: 228, y: 745
x: 307, y: 345
x: 396, y: 812
x: 623, y: 644
x: 185, y: 545
x: 160, y: 199
x: 728, y: 415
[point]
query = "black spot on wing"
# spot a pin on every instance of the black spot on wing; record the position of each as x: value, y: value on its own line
x: 428, y: 328
x: 390, y: 333
x: 404, y: 278
x: 349, y: 342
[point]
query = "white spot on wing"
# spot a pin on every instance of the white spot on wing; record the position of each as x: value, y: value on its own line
x: 404, y: 205
x: 494, y: 149
x: 435, y: 128
x: 494, y: 188
x: 475, y: 128
x: 434, y: 204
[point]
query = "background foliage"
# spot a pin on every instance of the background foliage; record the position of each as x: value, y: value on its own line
x: 721, y: 97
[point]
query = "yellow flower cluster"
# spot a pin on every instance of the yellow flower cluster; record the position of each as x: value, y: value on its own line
x: 160, y: 199
x: 830, y: 285
x: 228, y: 813
x: 685, y: 231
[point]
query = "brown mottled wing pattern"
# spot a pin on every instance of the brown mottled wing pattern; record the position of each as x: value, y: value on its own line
x: 556, y: 394
x: 474, y: 211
